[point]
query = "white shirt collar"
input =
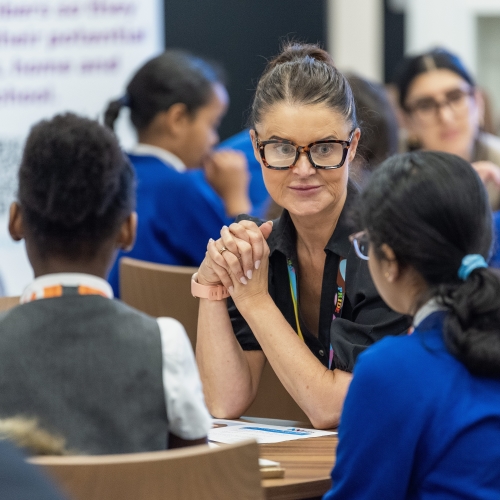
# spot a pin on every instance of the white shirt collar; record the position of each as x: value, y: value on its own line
x: 160, y: 153
x: 431, y: 306
x: 38, y: 288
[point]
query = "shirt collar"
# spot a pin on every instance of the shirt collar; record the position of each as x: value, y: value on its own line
x: 284, y: 235
x: 41, y: 286
x: 160, y: 153
x: 430, y: 307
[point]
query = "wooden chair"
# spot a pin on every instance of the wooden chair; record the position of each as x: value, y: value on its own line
x: 7, y: 303
x: 160, y: 290
x: 199, y: 472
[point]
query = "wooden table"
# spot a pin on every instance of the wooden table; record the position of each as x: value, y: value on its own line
x: 307, y: 462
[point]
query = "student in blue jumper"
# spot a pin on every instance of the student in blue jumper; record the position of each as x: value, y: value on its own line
x: 422, y: 416
x: 106, y: 377
x: 176, y: 103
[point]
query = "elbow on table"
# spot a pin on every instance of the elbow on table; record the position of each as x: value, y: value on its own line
x: 324, y: 420
x: 224, y: 409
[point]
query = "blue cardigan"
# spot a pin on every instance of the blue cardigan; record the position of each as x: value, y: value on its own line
x: 177, y: 212
x: 417, y: 425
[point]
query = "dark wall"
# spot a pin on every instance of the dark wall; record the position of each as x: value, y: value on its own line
x: 394, y: 38
x: 242, y: 35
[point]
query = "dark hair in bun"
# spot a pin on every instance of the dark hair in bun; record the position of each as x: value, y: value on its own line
x: 76, y: 186
x: 303, y: 74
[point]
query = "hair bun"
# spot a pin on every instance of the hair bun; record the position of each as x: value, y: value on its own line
x: 294, y: 51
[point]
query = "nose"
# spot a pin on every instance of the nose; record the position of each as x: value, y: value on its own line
x: 303, y: 166
x: 445, y: 113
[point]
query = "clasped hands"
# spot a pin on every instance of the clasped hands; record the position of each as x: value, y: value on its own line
x: 239, y: 260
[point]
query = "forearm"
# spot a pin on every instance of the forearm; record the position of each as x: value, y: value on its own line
x: 318, y: 391
x: 228, y: 382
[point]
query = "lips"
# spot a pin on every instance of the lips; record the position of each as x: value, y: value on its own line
x: 304, y: 188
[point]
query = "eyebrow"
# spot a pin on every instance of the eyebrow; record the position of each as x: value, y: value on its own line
x: 453, y: 89
x: 276, y: 137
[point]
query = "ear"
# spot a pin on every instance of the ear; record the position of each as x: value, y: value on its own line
x: 127, y: 233
x: 354, y: 145
x: 390, y: 265
x: 16, y: 222
x: 480, y: 106
x: 175, y: 119
x: 256, y: 152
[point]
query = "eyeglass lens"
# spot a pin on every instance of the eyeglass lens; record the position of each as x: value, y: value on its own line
x: 361, y: 245
x: 323, y: 154
x: 456, y: 99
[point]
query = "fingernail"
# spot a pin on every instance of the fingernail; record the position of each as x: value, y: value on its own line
x: 257, y: 264
x: 272, y: 223
x: 249, y: 274
x: 231, y: 290
x: 243, y: 280
x: 210, y: 240
x: 224, y: 227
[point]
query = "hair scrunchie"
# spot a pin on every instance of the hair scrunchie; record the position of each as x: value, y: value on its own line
x: 469, y: 263
x: 125, y: 100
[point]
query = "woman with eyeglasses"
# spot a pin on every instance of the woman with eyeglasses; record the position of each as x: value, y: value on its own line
x: 301, y: 300
x: 443, y: 111
x: 422, y: 416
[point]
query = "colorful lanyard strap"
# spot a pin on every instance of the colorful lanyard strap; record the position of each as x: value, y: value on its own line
x: 338, y: 300
x: 292, y: 276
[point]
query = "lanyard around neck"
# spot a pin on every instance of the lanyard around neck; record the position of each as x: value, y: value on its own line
x: 339, y: 297
x: 292, y: 276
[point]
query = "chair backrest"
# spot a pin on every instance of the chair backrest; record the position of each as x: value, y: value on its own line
x: 199, y: 472
x: 160, y: 290
x: 273, y: 400
x: 7, y: 303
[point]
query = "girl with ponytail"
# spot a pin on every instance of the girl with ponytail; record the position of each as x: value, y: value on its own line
x: 422, y: 416
x: 176, y: 103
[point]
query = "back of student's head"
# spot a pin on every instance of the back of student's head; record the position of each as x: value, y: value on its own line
x: 76, y: 187
x: 431, y: 208
x: 175, y: 76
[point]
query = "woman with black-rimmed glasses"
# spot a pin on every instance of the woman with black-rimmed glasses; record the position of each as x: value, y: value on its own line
x: 443, y: 109
x: 300, y: 300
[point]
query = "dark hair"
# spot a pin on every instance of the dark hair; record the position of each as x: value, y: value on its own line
x: 377, y: 119
x: 303, y: 74
x: 437, y: 58
x: 431, y: 208
x: 175, y: 76
x: 76, y: 186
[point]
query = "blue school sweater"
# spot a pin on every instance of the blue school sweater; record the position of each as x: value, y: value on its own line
x: 417, y: 425
x: 178, y: 212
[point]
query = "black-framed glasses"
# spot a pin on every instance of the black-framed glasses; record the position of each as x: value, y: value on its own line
x: 428, y: 108
x: 361, y: 244
x: 281, y: 154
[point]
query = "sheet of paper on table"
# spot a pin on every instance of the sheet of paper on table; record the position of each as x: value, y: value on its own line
x: 232, y: 431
